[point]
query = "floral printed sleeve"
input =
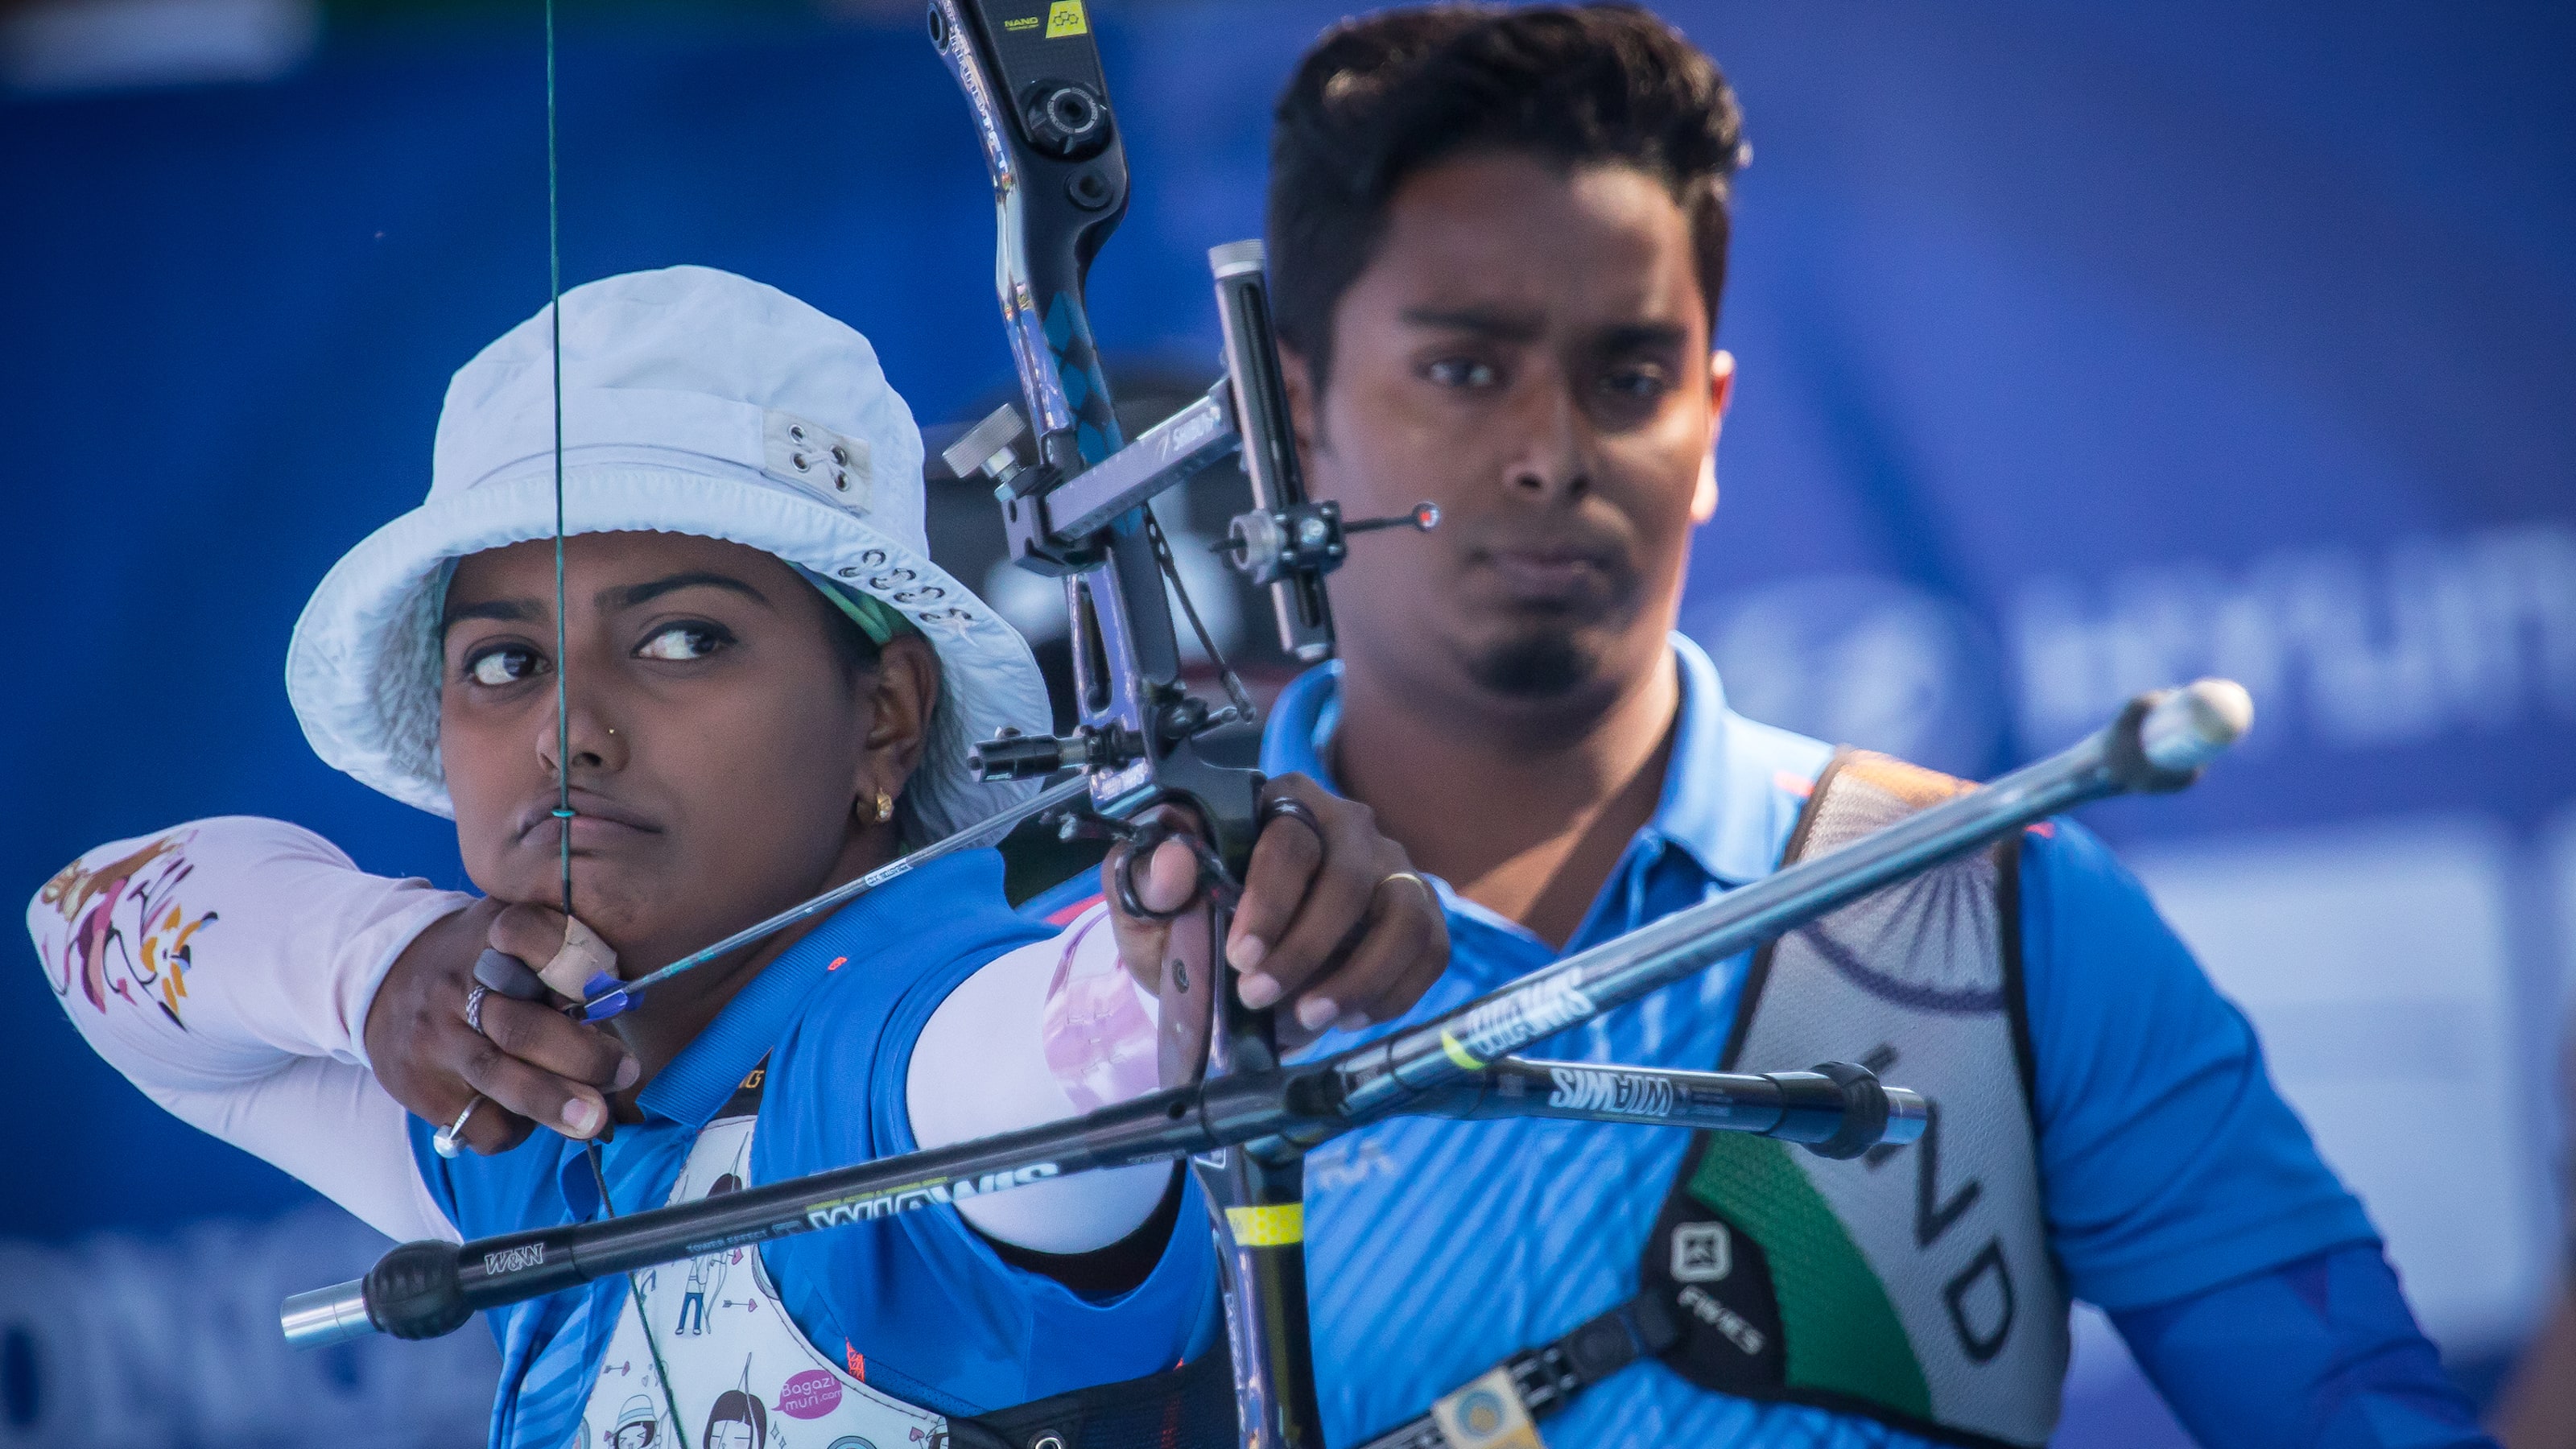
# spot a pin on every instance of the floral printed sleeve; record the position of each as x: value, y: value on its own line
x: 225, y: 967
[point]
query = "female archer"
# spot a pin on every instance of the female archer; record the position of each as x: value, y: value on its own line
x: 748, y: 682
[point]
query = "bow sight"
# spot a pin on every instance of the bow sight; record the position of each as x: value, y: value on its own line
x: 1078, y: 511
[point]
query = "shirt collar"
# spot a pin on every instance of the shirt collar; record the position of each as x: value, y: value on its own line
x: 697, y: 1082
x: 1719, y: 791
x: 1717, y: 798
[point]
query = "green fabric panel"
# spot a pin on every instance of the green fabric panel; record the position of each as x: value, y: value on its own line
x: 875, y: 617
x: 1841, y: 1332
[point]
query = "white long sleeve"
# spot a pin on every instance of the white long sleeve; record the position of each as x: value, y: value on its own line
x: 225, y: 967
x: 1004, y: 1052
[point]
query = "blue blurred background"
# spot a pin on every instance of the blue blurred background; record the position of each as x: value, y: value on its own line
x: 2083, y: 349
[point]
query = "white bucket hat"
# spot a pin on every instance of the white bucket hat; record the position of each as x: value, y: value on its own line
x: 697, y: 402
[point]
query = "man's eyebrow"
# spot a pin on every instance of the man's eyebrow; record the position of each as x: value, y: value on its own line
x: 632, y: 595
x: 1639, y: 336
x: 1484, y: 321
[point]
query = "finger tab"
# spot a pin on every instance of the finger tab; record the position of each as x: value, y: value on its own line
x: 583, y: 957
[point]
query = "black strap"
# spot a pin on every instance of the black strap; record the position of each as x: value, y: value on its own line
x: 1550, y: 1375
x: 1189, y: 1407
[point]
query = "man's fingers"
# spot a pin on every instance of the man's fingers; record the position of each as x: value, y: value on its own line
x: 1170, y: 877
x: 1284, y: 862
x: 1399, y: 957
x: 553, y: 1042
x: 1140, y: 941
x: 1165, y: 881
x: 1327, y: 922
x: 540, y: 1096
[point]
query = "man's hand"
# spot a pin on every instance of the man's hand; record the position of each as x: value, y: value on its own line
x: 531, y: 1063
x: 1333, y: 924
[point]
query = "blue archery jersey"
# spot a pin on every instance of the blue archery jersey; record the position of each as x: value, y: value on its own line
x: 1435, y: 1249
x: 921, y: 1300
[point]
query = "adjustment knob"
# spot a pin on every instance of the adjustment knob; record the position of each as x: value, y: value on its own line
x: 1066, y: 119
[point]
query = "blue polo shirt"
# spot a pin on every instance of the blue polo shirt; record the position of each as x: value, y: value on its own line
x: 1435, y: 1249
x: 941, y: 1320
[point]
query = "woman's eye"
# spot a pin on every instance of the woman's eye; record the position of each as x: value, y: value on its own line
x: 1463, y: 372
x: 683, y: 641
x: 506, y: 665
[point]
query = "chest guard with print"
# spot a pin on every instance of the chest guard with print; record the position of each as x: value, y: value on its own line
x: 1910, y: 1286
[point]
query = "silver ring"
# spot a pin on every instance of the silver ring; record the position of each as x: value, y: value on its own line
x: 474, y: 1009
x: 444, y: 1140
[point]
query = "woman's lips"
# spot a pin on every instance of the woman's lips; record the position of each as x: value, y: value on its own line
x: 594, y: 822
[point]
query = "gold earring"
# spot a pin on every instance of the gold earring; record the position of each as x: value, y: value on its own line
x: 885, y: 807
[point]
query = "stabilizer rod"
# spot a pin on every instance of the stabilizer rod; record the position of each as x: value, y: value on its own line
x: 423, y: 1290
x: 1839, y: 1110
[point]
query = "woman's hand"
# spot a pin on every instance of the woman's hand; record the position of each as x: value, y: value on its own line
x: 1334, y: 927
x: 531, y: 1063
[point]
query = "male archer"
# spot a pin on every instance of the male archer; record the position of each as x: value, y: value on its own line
x: 1498, y: 240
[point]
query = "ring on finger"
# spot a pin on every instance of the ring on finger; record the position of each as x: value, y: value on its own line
x: 1428, y: 893
x: 474, y: 1010
x: 1289, y: 807
x: 446, y: 1139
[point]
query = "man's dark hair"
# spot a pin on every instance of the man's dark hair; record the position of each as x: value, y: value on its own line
x: 1382, y: 97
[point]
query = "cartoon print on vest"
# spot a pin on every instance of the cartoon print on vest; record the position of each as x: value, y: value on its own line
x: 738, y: 1419
x: 639, y: 1426
x: 719, y: 1375
x: 707, y: 1273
